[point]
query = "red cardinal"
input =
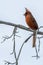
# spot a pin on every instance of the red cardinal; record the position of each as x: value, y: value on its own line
x: 31, y: 22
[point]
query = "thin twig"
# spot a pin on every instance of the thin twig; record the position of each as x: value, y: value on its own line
x: 6, y: 37
x: 39, y: 44
x: 7, y: 62
x: 23, y: 45
x: 37, y: 51
x: 14, y: 32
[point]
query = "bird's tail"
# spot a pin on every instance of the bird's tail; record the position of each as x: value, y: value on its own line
x: 34, y: 39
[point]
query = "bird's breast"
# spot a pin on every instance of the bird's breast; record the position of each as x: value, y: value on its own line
x: 31, y: 23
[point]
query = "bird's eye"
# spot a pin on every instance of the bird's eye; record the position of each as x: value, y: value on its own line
x: 26, y: 13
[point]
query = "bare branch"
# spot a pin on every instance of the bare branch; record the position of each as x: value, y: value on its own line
x: 28, y: 38
x: 36, y: 53
x: 14, y: 32
x: 39, y: 45
x: 7, y: 62
x: 37, y: 50
x: 20, y: 26
x: 6, y: 37
x: 37, y: 56
x: 23, y: 45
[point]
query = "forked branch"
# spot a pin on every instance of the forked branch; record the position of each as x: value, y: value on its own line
x: 14, y: 34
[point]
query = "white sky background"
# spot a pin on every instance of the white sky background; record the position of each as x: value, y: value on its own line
x: 12, y: 11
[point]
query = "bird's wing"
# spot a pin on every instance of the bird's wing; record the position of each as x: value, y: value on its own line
x: 34, y: 21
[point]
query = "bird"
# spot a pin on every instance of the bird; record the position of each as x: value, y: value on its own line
x: 32, y: 24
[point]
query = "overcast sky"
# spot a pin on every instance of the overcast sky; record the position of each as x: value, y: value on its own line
x: 12, y: 11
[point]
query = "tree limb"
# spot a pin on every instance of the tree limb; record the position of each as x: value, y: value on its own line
x: 20, y: 26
